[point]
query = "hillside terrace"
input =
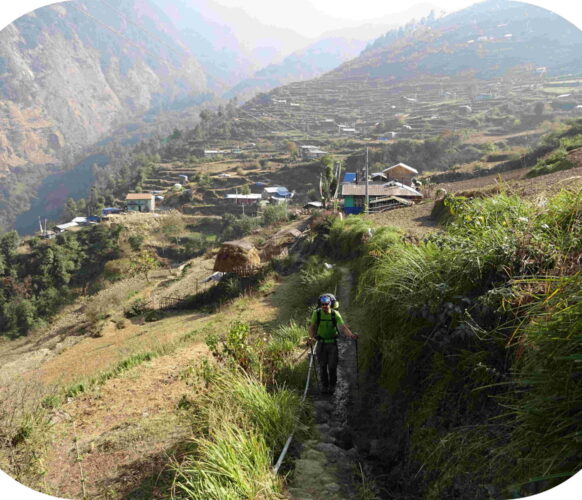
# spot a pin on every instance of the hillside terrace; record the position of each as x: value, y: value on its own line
x: 419, y: 108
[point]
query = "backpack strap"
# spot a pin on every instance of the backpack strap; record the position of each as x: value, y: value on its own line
x: 333, y: 321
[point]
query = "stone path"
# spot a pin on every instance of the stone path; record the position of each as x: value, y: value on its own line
x: 328, y: 464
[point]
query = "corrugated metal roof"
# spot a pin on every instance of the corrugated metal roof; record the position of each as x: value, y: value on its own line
x: 376, y: 190
x: 139, y: 196
x: 401, y: 165
x: 251, y: 196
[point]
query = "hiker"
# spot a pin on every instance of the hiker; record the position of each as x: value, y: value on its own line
x: 324, y: 325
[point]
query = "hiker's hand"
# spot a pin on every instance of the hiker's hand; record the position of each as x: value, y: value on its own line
x: 311, y: 341
x: 355, y: 336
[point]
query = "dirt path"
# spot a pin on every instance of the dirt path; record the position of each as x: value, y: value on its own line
x: 328, y: 464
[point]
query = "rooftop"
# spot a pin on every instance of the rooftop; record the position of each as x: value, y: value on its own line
x: 139, y: 196
x: 376, y: 190
x: 401, y: 165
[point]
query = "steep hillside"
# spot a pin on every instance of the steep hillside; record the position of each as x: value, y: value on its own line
x: 72, y: 71
x: 483, y: 68
x: 485, y: 40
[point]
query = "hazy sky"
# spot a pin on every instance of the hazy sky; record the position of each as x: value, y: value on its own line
x: 305, y: 16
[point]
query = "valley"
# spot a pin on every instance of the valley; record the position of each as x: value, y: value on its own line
x: 200, y: 188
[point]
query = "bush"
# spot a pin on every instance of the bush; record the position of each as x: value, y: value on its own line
x: 136, y: 308
x: 135, y: 242
x: 273, y: 214
x: 553, y: 163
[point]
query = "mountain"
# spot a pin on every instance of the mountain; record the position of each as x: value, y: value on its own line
x: 485, y: 40
x: 230, y: 44
x: 311, y: 62
x: 70, y: 72
x: 471, y: 69
x: 327, y: 52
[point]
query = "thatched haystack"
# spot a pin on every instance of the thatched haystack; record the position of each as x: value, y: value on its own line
x: 278, y: 245
x: 235, y: 256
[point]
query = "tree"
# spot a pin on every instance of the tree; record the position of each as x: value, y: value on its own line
x: 172, y: 226
x: 292, y: 149
x: 70, y: 210
x: 328, y: 180
x: 176, y: 134
x: 142, y: 263
x: 136, y: 241
x: 8, y: 247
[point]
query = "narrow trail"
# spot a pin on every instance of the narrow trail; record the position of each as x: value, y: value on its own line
x: 328, y: 463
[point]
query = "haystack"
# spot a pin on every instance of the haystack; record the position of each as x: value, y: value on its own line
x: 278, y: 245
x: 236, y: 255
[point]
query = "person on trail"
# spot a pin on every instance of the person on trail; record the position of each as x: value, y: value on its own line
x: 324, y: 324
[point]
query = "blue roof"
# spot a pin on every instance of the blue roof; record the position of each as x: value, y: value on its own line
x: 350, y: 177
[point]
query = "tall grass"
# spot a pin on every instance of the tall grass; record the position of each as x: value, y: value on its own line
x: 476, y: 334
x: 246, y: 426
x: 546, y: 408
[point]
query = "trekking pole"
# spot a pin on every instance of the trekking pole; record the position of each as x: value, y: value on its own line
x: 357, y: 368
x: 315, y: 372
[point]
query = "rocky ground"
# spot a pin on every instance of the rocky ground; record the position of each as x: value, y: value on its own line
x: 330, y: 466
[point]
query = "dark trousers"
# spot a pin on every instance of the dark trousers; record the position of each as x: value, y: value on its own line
x: 327, y: 357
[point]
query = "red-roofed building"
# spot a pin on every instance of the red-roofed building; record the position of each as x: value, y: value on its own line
x: 140, y: 202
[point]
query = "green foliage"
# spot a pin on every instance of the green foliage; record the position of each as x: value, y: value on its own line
x: 136, y: 241
x: 478, y: 350
x: 136, y: 308
x: 153, y: 315
x: 553, y: 163
x: 544, y: 407
x: 272, y: 214
x: 355, y: 237
x: 235, y: 347
x: 245, y: 426
x: 236, y: 227
x: 142, y: 263
x: 298, y: 295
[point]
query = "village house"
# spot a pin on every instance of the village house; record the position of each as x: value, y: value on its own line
x: 400, y: 173
x: 67, y: 226
x: 277, y: 194
x: 244, y: 199
x: 211, y: 153
x: 140, y: 202
x: 311, y: 152
x: 381, y: 196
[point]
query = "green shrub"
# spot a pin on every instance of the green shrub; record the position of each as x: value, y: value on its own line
x: 136, y: 308
x: 553, y: 163
x: 273, y: 214
x: 153, y: 315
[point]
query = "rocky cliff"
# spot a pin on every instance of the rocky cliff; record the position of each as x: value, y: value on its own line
x: 71, y: 72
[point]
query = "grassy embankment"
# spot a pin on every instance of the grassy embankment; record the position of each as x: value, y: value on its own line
x: 472, y: 346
